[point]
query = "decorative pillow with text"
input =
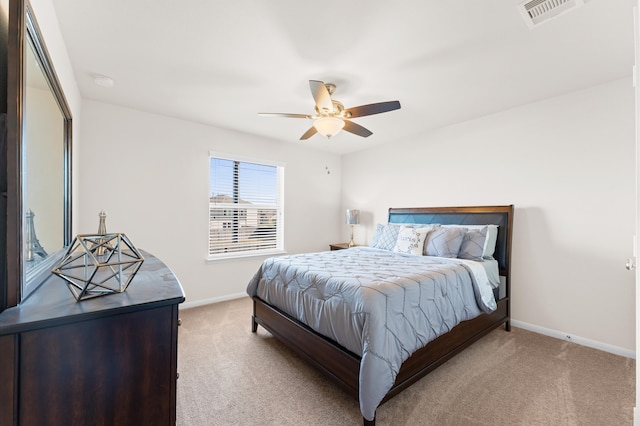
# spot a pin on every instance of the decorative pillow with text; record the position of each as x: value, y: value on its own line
x: 411, y: 240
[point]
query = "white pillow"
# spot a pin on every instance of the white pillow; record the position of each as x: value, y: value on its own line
x: 489, y: 246
x: 411, y: 240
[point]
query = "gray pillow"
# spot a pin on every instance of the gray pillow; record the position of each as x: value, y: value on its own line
x: 473, y: 243
x: 385, y: 236
x: 445, y: 242
x: 489, y: 242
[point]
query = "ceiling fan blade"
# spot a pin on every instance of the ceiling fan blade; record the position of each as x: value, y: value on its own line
x: 370, y: 109
x: 356, y: 129
x: 321, y: 95
x: 312, y: 131
x: 284, y: 114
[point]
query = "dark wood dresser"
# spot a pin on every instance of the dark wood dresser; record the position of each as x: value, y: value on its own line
x: 111, y: 360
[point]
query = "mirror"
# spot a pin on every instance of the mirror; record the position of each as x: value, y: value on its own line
x: 40, y: 143
x: 42, y: 173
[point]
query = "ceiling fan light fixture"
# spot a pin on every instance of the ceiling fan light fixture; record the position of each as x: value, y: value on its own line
x: 331, y: 117
x: 328, y: 126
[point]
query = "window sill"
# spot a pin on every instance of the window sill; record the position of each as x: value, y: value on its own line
x: 244, y: 256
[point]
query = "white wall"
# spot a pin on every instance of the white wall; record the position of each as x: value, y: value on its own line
x: 567, y: 164
x: 150, y: 174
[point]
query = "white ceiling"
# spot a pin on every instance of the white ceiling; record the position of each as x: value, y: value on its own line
x: 221, y: 62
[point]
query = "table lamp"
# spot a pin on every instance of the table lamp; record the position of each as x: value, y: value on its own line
x: 353, y: 218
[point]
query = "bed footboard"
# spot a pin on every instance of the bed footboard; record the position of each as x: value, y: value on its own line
x: 343, y: 366
x: 332, y: 359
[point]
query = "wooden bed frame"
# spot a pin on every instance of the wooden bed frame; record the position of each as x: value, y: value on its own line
x: 343, y: 366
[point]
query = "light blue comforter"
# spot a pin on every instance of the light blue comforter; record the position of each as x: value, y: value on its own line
x: 378, y: 304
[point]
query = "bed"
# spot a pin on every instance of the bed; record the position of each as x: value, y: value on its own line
x: 376, y: 320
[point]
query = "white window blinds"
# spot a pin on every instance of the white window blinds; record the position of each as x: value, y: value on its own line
x: 245, y: 207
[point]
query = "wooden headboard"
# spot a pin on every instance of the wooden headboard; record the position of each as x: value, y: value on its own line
x: 475, y: 215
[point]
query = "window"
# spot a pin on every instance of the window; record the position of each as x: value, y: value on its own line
x: 245, y: 207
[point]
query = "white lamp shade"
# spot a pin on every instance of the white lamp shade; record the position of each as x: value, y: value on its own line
x: 328, y: 126
x: 353, y: 217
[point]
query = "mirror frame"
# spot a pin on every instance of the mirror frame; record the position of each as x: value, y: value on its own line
x: 23, y: 31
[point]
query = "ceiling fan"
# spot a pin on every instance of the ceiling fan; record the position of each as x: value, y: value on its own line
x: 331, y: 116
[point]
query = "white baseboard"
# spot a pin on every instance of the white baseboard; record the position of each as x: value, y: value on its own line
x: 575, y: 339
x: 202, y: 302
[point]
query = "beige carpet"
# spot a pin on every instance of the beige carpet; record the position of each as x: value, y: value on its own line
x: 230, y: 376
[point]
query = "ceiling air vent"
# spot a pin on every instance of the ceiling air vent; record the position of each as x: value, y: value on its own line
x: 536, y: 12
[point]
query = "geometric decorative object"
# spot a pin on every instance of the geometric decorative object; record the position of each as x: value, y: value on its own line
x: 99, y: 264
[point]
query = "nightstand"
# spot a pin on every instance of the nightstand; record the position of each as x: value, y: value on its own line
x: 340, y: 246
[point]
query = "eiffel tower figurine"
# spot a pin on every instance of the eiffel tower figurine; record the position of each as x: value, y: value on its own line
x: 32, y: 245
